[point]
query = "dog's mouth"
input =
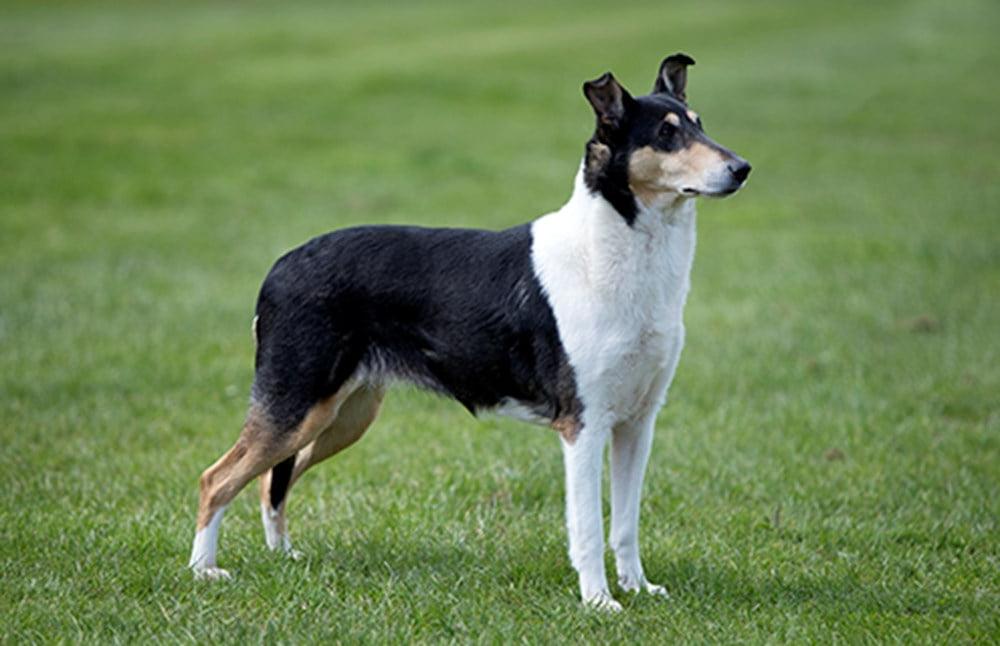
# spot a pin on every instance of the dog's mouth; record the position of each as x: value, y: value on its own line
x: 693, y: 192
x: 723, y: 185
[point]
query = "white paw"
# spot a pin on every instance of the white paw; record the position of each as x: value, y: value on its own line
x: 657, y: 590
x: 211, y: 574
x: 629, y: 584
x: 603, y: 601
x: 283, y: 545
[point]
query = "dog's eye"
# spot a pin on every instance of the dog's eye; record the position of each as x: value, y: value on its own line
x: 667, y: 130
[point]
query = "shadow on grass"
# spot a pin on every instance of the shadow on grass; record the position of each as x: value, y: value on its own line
x: 693, y: 584
x: 445, y: 562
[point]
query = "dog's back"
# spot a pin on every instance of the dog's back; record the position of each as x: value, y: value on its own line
x: 459, y: 311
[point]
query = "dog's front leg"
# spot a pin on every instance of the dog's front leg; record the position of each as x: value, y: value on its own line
x: 583, y: 459
x: 630, y: 445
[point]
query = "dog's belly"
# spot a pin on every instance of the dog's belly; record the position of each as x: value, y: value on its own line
x: 520, y: 410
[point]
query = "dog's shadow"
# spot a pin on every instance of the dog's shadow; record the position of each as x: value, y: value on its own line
x: 694, y: 584
x: 447, y: 562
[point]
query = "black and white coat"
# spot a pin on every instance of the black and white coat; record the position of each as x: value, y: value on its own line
x: 574, y: 321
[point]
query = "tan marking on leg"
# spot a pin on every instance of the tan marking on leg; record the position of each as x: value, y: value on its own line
x: 568, y: 427
x: 260, y: 446
x: 350, y: 423
x: 354, y: 418
x: 220, y: 482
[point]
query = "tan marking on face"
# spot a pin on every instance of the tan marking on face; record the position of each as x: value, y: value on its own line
x: 693, y: 116
x: 652, y: 173
x: 567, y: 426
x: 672, y: 119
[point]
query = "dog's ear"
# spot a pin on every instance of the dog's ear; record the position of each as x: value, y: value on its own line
x: 611, y: 103
x: 673, y: 75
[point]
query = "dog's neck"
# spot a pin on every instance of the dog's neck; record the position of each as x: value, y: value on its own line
x: 643, y: 268
x: 615, y: 278
x: 659, y: 244
x: 668, y: 210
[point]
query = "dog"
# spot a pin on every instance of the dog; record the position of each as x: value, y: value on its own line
x: 572, y: 321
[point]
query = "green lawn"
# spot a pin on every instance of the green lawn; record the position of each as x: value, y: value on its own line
x: 828, y: 468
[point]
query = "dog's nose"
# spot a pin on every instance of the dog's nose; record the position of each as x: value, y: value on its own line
x: 740, y: 170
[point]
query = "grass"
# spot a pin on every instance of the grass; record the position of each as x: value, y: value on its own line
x: 826, y: 470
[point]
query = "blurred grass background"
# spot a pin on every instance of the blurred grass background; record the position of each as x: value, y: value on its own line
x: 827, y: 469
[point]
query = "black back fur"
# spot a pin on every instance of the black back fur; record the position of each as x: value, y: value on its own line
x: 456, y: 310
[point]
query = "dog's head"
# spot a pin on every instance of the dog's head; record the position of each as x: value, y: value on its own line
x: 653, y: 148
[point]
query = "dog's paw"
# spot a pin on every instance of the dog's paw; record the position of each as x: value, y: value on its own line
x: 211, y: 574
x: 284, y: 546
x: 633, y: 585
x: 603, y: 601
x: 656, y: 590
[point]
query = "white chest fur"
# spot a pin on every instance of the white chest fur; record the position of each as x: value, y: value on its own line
x: 618, y: 293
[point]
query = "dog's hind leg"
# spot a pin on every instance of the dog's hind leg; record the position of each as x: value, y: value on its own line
x: 261, y: 445
x: 353, y: 419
